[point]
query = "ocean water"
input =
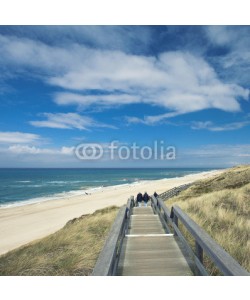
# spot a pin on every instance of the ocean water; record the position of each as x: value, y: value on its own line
x: 23, y: 186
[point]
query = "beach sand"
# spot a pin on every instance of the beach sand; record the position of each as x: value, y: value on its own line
x: 23, y: 224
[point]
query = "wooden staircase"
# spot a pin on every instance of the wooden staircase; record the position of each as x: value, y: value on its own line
x: 148, y: 249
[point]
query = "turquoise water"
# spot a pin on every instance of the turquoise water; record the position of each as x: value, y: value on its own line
x: 23, y: 186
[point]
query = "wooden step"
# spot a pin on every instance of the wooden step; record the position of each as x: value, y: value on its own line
x: 145, y: 224
x: 160, y: 271
x: 157, y: 255
x: 142, y: 211
x: 152, y: 230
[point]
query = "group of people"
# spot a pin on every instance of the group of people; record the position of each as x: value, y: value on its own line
x: 143, y: 198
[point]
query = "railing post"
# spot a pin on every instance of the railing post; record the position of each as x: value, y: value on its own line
x: 132, y: 201
x: 199, y: 251
x: 175, y: 220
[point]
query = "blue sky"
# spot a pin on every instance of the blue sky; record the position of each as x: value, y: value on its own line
x: 187, y: 86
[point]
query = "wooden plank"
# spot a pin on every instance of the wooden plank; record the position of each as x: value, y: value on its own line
x: 147, y: 235
x: 161, y: 271
x: 227, y: 264
x: 141, y: 216
x: 146, y: 231
x: 143, y: 210
x: 107, y: 256
x: 145, y: 226
x: 156, y: 255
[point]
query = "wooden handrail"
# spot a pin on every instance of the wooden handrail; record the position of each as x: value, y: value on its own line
x: 164, y: 208
x: 156, y: 205
x: 108, y: 258
x: 174, y: 191
x: 203, y: 242
x: 226, y: 263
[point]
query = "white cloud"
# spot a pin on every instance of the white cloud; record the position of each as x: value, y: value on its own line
x: 179, y: 82
x: 219, y: 35
x: 68, y: 121
x: 176, y: 81
x: 106, y: 37
x: 67, y: 150
x: 25, y: 149
x: 18, y: 137
x: 29, y: 53
x: 226, y: 127
x: 87, y: 100
x: 225, y: 151
x: 234, y: 64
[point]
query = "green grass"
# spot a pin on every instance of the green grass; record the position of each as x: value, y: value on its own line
x: 73, y: 250
x: 221, y: 206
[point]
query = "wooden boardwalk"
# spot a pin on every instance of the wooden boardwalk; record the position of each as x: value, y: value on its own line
x: 148, y: 249
x: 139, y: 243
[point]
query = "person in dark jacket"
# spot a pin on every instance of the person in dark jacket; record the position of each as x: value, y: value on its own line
x: 139, y: 199
x: 145, y: 199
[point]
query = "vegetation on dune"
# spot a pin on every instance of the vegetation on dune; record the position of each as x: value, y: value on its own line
x: 231, y: 179
x: 73, y: 250
x: 221, y: 206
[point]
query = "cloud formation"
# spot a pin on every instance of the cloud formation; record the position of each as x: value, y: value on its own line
x: 18, y: 137
x: 102, y: 37
x: 25, y: 149
x: 208, y: 125
x: 177, y: 81
x: 68, y: 121
x: 83, y: 101
x: 234, y: 64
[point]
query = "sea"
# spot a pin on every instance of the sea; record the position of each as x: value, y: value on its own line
x: 25, y: 186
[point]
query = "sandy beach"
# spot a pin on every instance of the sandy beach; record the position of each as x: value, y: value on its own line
x: 23, y: 224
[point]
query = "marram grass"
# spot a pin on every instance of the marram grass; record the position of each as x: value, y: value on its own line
x: 73, y: 250
x: 221, y: 206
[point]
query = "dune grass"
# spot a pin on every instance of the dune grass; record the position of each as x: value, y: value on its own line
x: 221, y: 206
x: 73, y: 250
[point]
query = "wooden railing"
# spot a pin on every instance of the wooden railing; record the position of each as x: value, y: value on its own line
x: 203, y: 242
x: 160, y: 209
x: 174, y: 191
x: 108, y: 259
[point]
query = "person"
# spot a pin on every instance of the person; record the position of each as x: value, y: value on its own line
x: 145, y: 198
x: 156, y: 195
x: 139, y: 199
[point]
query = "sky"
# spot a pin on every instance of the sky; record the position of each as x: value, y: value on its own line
x: 185, y: 87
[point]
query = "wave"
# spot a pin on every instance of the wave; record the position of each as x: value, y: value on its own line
x: 24, y: 186
x: 56, y: 196
x: 94, y: 181
x: 24, y: 181
x: 75, y: 181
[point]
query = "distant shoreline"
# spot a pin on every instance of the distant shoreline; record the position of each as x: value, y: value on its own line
x: 23, y: 224
x: 87, y: 191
